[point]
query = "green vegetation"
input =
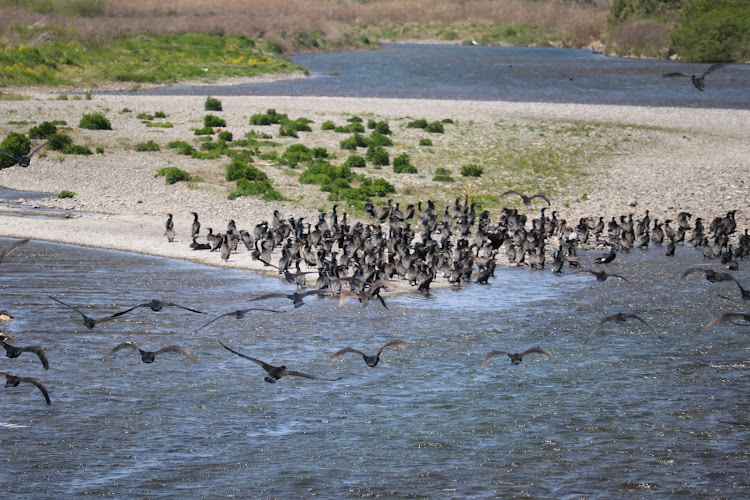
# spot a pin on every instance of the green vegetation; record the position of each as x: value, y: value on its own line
x: 182, y: 147
x: 173, y: 174
x: 44, y: 130
x: 472, y: 170
x: 713, y: 31
x: 270, y: 117
x: 212, y: 104
x: 147, y: 146
x: 442, y: 175
x: 66, y: 194
x: 214, y: 121
x: 402, y: 165
x: 95, y: 121
x: 143, y: 58
x: 16, y: 144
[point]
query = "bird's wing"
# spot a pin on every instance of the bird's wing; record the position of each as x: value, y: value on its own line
x: 68, y: 305
x: 43, y: 145
x: 491, y: 355
x: 724, y: 277
x: 314, y: 292
x: 382, y: 301
x: 180, y: 350
x: 641, y: 320
x: 172, y: 304
x: 271, y: 296
x: 693, y: 270
x: 596, y: 328
x: 539, y: 350
x: 727, y: 317
x: 619, y: 276
x: 305, y: 375
x: 345, y: 350
x: 510, y: 191
x: 676, y: 74
x: 118, y: 314
x: 120, y: 347
x: 713, y: 67
x: 10, y: 155
x: 39, y: 352
x: 265, y: 365
x: 39, y: 385
x: 217, y: 317
x: 540, y: 195
x: 12, y: 247
x: 397, y: 343
x: 346, y: 294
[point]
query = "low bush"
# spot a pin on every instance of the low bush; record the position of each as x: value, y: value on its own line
x: 442, y: 175
x: 214, y: 121
x: 379, y: 139
x: 43, y: 131
x: 355, y: 161
x: 262, y: 188
x: 16, y: 144
x: 425, y: 141
x: 146, y: 146
x: 377, y: 156
x: 402, y: 165
x: 289, y: 128
x: 353, y: 142
x: 95, y: 121
x: 76, y: 149
x: 212, y: 104
x: 160, y: 124
x: 173, y: 174
x: 182, y: 147
x: 435, y: 128
x: 270, y: 117
x: 66, y: 194
x: 59, y: 141
x: 237, y: 170
x: 419, y: 123
x: 472, y: 170
x: 204, y: 131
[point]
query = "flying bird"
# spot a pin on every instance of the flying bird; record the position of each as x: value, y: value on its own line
x: 620, y: 317
x: 24, y: 161
x: 517, y: 358
x: 601, y: 275
x: 295, y: 297
x: 149, y: 356
x: 14, y: 352
x: 526, y: 199
x: 158, y: 305
x: 710, y: 274
x: 13, y: 381
x: 239, y: 314
x: 12, y: 248
x: 88, y: 321
x: 698, y: 81
x: 363, y: 296
x: 276, y: 372
x: 371, y: 361
x: 728, y: 317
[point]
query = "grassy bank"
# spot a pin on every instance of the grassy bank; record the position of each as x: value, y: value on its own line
x: 152, y: 59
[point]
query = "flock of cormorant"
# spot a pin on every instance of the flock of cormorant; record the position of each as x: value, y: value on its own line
x: 361, y: 260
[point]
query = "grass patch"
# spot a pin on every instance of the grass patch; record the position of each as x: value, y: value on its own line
x: 173, y: 175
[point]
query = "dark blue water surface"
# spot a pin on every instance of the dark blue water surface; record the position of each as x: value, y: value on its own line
x: 499, y: 73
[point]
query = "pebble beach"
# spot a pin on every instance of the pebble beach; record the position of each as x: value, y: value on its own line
x: 692, y: 160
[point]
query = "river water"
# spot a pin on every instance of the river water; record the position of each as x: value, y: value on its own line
x: 500, y: 73
x: 623, y: 413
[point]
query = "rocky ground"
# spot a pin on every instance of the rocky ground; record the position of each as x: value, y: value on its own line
x: 670, y: 159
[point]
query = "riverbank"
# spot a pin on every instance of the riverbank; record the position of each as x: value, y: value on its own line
x: 672, y: 160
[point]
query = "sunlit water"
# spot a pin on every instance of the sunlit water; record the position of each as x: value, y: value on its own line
x: 627, y: 412
x: 519, y: 74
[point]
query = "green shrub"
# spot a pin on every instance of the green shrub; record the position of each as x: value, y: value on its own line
x: 43, y: 131
x: 173, y: 174
x: 95, y: 121
x: 59, y: 141
x: 147, y: 146
x: 419, y: 123
x: 402, y: 165
x: 328, y: 125
x: 214, y: 121
x: 160, y: 124
x: 75, y: 149
x: 378, y: 139
x: 204, y: 131
x: 145, y: 116
x: 296, y: 154
x: 289, y: 128
x: 383, y: 128
x: 244, y: 155
x: 435, y: 128
x: 323, y: 173
x: 354, y: 142
x: 99, y: 150
x: 352, y: 128
x: 371, y: 124
x: 237, y: 170
x: 442, y: 175
x: 271, y: 156
x: 65, y: 194
x: 425, y: 141
x: 270, y: 117
x: 254, y: 188
x: 160, y: 114
x: 472, y: 170
x: 354, y: 119
x: 207, y: 155
x: 15, y: 143
x: 355, y: 161
x: 218, y: 146
x: 212, y: 104
x: 377, y: 156
x: 182, y: 147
